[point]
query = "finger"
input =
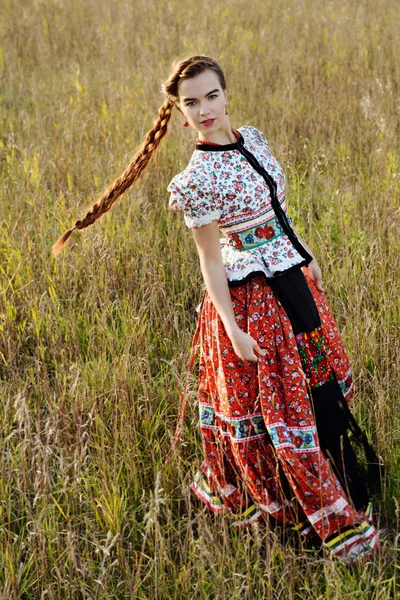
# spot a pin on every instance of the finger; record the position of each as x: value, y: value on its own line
x: 259, y: 350
x: 253, y: 357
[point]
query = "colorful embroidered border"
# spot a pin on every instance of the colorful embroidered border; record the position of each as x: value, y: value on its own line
x: 304, y: 528
x: 252, y: 513
x: 316, y: 364
x: 255, y: 219
x: 300, y: 439
x: 354, y: 543
x: 203, y: 491
x: 255, y: 236
x: 238, y: 429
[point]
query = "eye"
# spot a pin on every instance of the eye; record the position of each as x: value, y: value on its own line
x: 211, y: 96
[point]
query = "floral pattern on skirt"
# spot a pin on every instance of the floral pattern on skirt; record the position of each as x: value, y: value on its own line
x: 258, y: 431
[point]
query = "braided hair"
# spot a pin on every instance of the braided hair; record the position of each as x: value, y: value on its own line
x: 184, y: 69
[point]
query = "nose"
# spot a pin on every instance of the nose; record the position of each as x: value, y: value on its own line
x: 204, y: 110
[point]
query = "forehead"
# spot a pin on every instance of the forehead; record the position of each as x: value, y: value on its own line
x: 198, y: 86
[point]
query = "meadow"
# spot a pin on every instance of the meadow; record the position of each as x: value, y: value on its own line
x: 94, y: 343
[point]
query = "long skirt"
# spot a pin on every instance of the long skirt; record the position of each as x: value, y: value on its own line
x: 274, y: 432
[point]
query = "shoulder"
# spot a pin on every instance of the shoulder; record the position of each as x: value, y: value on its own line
x: 193, y: 176
x: 191, y: 192
x: 254, y: 135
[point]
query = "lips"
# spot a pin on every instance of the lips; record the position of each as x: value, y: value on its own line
x: 209, y: 122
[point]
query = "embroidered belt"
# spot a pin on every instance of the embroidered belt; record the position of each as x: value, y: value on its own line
x: 255, y: 236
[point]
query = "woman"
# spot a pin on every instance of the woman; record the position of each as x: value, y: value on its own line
x: 274, y: 377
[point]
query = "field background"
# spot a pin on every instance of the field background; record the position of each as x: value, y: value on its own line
x: 94, y: 344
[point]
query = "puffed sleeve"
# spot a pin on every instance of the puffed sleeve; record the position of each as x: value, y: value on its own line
x: 194, y: 198
x: 258, y: 136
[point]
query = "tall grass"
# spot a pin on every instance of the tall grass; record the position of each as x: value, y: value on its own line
x: 94, y: 344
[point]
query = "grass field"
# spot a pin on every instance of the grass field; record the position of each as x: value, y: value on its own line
x: 94, y: 344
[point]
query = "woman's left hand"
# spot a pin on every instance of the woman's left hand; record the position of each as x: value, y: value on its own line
x: 316, y: 274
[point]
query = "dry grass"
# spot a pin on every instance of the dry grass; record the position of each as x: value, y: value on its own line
x: 94, y: 344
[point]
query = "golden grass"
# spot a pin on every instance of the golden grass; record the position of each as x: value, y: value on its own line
x: 94, y: 344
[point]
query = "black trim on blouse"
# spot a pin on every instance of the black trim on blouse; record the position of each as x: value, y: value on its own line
x: 279, y: 212
x: 276, y: 205
x: 221, y: 147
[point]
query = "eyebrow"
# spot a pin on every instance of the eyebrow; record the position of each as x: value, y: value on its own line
x: 190, y: 99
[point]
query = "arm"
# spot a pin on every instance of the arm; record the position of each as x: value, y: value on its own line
x: 213, y: 270
x: 313, y: 267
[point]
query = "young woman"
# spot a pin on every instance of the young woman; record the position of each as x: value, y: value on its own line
x: 274, y: 378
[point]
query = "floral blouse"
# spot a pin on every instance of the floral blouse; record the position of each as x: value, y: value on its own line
x: 241, y: 186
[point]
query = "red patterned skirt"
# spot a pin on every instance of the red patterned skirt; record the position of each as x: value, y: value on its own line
x: 274, y: 432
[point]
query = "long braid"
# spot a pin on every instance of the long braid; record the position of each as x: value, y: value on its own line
x: 185, y: 69
x: 131, y: 173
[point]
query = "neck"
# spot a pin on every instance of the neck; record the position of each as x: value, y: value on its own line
x: 230, y: 139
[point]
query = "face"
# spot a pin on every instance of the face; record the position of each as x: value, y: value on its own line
x: 202, y: 101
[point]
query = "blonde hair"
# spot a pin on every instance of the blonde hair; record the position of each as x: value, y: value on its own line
x: 184, y: 69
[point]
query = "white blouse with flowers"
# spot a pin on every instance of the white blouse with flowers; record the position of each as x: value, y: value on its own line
x: 221, y: 183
